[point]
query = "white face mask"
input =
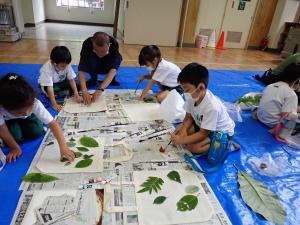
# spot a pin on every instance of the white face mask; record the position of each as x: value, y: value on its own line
x: 296, y: 85
x: 189, y: 96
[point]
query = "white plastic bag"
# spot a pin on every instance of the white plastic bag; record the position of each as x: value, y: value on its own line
x: 234, y: 111
x: 171, y: 108
x: 2, y: 160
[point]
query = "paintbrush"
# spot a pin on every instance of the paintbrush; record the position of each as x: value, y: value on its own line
x: 137, y: 87
x: 163, y: 149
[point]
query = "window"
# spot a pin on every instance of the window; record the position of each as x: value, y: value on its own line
x: 95, y: 4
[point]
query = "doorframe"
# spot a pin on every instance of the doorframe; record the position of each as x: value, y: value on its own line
x: 252, y: 23
x: 116, y: 18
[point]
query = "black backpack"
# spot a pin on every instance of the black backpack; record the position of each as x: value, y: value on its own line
x: 268, y: 77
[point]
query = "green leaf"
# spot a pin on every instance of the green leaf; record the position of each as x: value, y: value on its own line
x: 187, y: 203
x: 84, y: 163
x: 174, y: 175
x: 68, y: 163
x: 64, y: 159
x: 88, y: 142
x: 38, y: 178
x: 87, y: 156
x: 83, y: 149
x: 72, y: 139
x: 77, y: 154
x: 159, y: 200
x: 191, y: 189
x: 260, y: 199
x: 149, y: 100
x: 71, y: 144
x: 151, y: 184
x: 254, y: 100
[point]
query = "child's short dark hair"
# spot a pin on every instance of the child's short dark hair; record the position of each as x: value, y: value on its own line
x: 148, y: 54
x: 195, y: 74
x: 15, y: 92
x: 61, y: 54
x: 101, y: 39
x: 290, y: 73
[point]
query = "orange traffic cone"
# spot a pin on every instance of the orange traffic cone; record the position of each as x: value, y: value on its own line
x: 220, y: 44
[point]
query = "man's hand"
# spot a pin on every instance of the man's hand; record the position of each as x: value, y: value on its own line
x: 87, y: 98
x: 57, y: 107
x: 96, y: 95
x: 78, y: 99
x: 13, y: 154
x: 67, y: 153
x: 141, y: 78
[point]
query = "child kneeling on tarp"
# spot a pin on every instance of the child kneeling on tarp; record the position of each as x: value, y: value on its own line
x: 280, y: 98
x: 205, y: 113
x: 22, y: 117
x: 57, y: 78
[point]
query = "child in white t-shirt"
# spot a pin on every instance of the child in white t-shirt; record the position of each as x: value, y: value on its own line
x: 280, y: 98
x: 57, y: 76
x: 205, y: 113
x: 22, y: 117
x: 162, y: 72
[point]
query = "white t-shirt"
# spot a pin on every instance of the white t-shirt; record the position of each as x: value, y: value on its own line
x: 49, y: 75
x: 166, y: 73
x: 38, y: 110
x: 276, y: 98
x: 210, y: 114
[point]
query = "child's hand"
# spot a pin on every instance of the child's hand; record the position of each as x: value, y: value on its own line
x: 13, y: 154
x: 141, y: 98
x: 180, y: 130
x: 176, y: 139
x: 57, y: 107
x: 77, y: 98
x: 67, y: 153
x: 141, y: 79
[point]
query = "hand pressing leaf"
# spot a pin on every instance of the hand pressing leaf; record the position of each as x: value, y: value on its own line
x: 187, y: 203
x: 88, y: 142
x: 71, y: 144
x: 38, y: 178
x: 191, y: 189
x: 151, y: 184
x: 260, y: 199
x: 174, y: 175
x: 159, y: 200
x: 82, y: 149
x: 84, y: 163
x: 87, y: 156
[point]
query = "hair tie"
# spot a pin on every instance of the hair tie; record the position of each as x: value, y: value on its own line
x: 13, y: 77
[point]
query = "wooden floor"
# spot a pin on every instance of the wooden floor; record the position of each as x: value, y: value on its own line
x: 37, y: 51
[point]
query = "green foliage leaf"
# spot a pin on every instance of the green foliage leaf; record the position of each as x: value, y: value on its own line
x: 191, y: 189
x: 254, y: 100
x: 38, y: 178
x: 64, y: 159
x: 151, y: 184
x: 72, y: 139
x: 159, y: 200
x: 149, y: 100
x: 77, y: 154
x: 71, y: 144
x: 174, y: 175
x: 84, y: 163
x: 89, y: 142
x: 260, y: 199
x: 83, y: 149
x: 187, y: 203
x: 87, y: 156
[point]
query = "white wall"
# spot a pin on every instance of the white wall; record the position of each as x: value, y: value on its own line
x: 38, y: 10
x: 27, y: 11
x: 285, y: 12
x: 81, y: 14
x: 121, y: 20
x: 210, y: 15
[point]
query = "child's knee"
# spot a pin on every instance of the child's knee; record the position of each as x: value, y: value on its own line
x: 16, y: 131
x: 33, y: 128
